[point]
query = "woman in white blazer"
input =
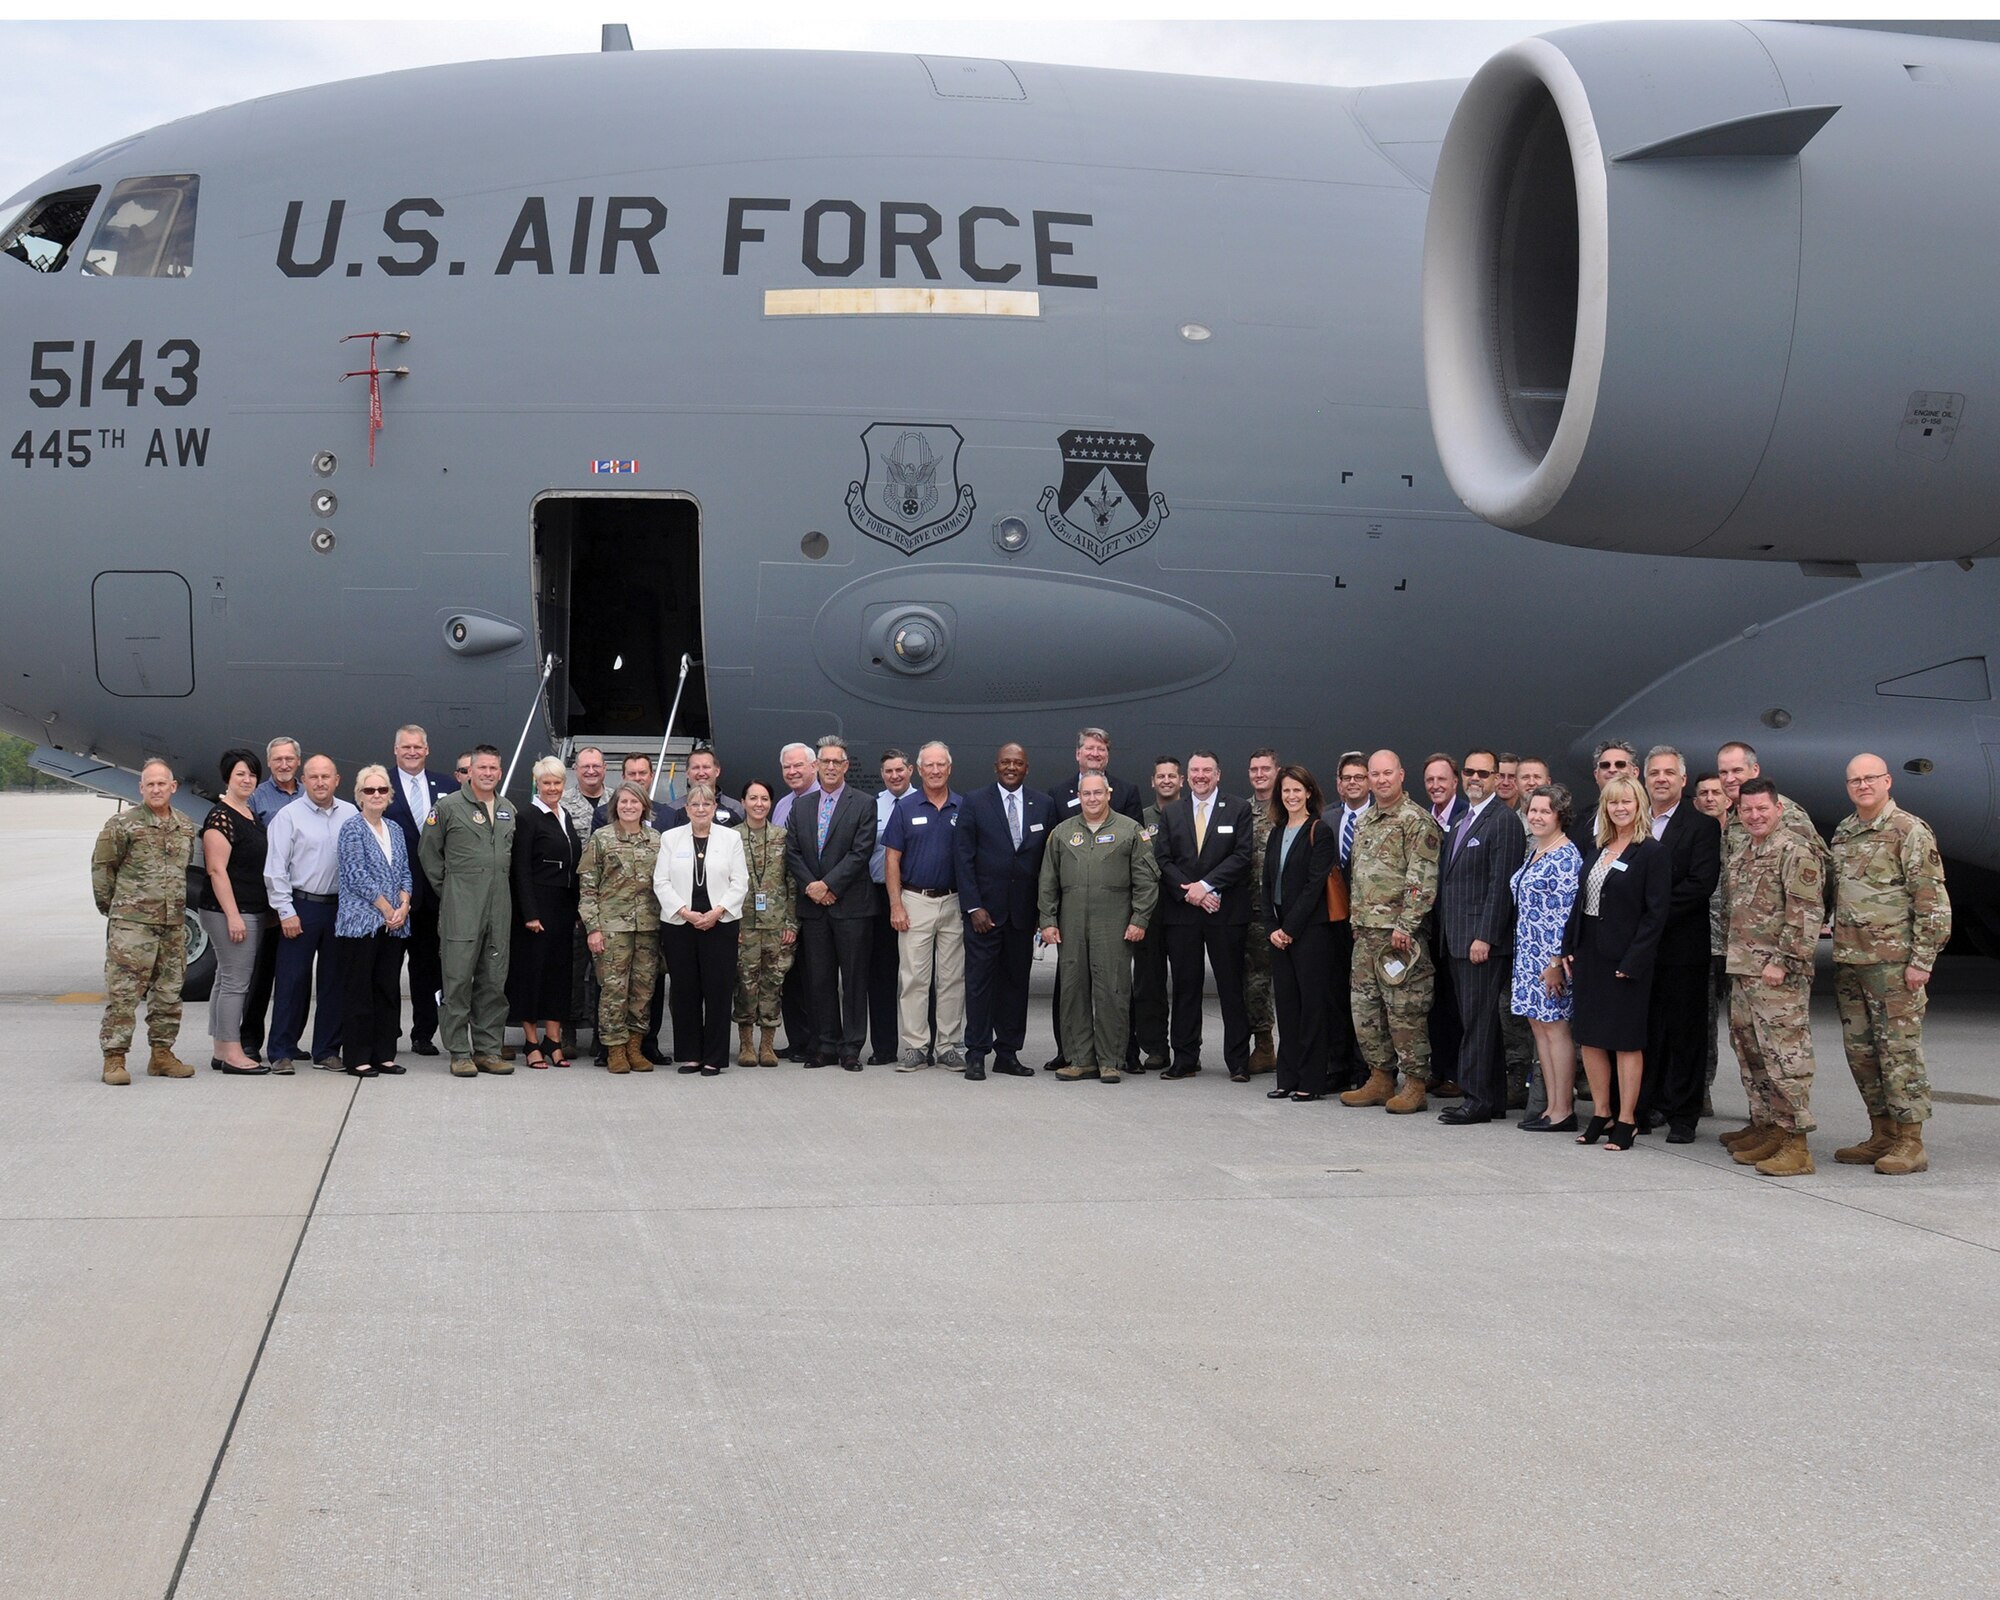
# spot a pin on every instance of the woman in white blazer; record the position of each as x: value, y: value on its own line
x: 701, y: 879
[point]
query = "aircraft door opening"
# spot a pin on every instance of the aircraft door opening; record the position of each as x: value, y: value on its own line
x: 619, y: 600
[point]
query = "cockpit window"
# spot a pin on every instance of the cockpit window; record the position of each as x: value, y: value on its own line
x: 147, y: 230
x: 42, y: 234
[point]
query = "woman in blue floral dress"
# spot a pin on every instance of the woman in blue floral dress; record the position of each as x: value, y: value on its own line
x: 1544, y: 890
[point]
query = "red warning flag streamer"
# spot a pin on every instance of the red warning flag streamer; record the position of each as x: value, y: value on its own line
x: 374, y: 373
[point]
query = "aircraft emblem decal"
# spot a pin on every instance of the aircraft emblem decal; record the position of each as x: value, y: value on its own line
x: 910, y: 495
x: 1103, y: 507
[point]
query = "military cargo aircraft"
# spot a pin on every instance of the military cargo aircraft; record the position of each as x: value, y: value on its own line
x: 1629, y: 388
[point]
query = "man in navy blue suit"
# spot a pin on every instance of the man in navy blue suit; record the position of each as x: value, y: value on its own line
x: 1001, y: 831
x: 416, y: 791
x: 1447, y: 805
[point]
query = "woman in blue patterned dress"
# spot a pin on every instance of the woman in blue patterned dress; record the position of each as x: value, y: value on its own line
x: 1544, y: 890
x: 374, y: 913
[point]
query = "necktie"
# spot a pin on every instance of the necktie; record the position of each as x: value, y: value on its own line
x: 825, y: 817
x: 1458, y: 834
x: 1347, y: 836
x: 1014, y: 817
x: 1200, y: 826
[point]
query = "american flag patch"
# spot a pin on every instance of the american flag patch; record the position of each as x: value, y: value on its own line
x: 614, y: 466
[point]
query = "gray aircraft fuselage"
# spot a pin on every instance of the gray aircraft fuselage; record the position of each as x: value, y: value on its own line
x: 1100, y: 392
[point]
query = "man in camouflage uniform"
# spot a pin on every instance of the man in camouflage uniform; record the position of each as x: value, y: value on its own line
x: 138, y: 876
x: 1774, y: 899
x: 770, y: 930
x: 1737, y: 764
x: 1891, y: 917
x: 620, y: 916
x: 1395, y: 884
x: 1257, y: 952
x: 1099, y: 885
x: 467, y: 853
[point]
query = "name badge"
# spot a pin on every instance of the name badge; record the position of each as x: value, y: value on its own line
x: 918, y: 822
x: 683, y: 852
x: 761, y: 906
x: 1617, y: 866
x: 505, y: 816
x: 1107, y: 838
x: 1034, y: 827
x: 1224, y: 827
x: 1074, y: 800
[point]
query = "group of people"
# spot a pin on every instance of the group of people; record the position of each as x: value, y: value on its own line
x: 1388, y: 950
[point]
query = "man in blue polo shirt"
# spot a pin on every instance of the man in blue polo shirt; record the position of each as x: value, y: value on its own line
x: 920, y: 868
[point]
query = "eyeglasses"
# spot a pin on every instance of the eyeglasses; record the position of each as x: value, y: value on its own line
x: 461, y: 772
x: 375, y: 788
x: 1867, y: 778
x: 1476, y: 772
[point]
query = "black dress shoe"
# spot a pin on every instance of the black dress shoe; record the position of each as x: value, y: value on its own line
x: 794, y: 1055
x: 1054, y: 1064
x: 650, y: 1049
x: 1680, y: 1133
x: 850, y: 1063
x: 1013, y: 1069
x: 1463, y: 1117
x: 1541, y: 1124
x: 707, y: 1071
x: 423, y: 1047
x: 881, y: 1061
x: 809, y: 1061
x: 1277, y: 1094
x: 256, y: 1070
x: 393, y: 1069
x: 1239, y: 1077
x: 1179, y: 1072
x: 688, y: 1067
x: 975, y: 1070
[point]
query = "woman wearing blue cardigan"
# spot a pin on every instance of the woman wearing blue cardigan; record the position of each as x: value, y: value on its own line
x: 374, y: 912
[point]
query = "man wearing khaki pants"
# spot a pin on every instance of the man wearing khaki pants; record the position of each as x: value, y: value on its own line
x: 921, y: 874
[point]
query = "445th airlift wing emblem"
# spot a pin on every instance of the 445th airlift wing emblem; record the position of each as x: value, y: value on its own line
x: 1102, y: 507
x: 909, y: 495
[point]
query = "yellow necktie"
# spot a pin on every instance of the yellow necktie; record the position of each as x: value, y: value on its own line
x: 1200, y: 826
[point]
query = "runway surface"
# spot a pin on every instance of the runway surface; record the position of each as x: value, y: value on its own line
x: 814, y: 1334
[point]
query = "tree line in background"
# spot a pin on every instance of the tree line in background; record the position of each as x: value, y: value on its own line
x: 15, y: 773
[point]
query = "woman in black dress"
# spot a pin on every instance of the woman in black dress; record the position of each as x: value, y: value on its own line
x: 233, y: 908
x: 546, y: 851
x: 1608, y: 948
x: 1302, y: 854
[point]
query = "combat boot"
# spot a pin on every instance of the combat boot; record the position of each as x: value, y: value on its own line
x: 1906, y: 1155
x: 746, y: 1046
x: 1736, y: 1136
x: 1882, y: 1135
x: 1751, y: 1151
x: 617, y: 1058
x: 165, y: 1064
x: 1265, y: 1057
x: 635, y: 1057
x: 1376, y: 1091
x: 1790, y: 1160
x: 767, y: 1047
x: 114, y: 1068
x: 1413, y: 1096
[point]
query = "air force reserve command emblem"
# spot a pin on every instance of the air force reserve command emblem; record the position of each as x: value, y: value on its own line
x: 910, y: 495
x: 1101, y: 507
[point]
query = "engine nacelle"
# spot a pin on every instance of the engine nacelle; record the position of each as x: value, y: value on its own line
x: 1723, y: 290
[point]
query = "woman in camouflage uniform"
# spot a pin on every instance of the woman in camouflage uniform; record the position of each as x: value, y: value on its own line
x: 618, y: 909
x: 770, y: 930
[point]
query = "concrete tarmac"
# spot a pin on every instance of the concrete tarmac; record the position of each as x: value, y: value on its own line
x: 814, y: 1334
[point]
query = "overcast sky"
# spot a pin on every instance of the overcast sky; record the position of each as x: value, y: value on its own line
x: 74, y: 86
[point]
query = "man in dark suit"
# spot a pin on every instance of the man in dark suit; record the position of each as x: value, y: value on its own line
x: 1447, y: 805
x: 416, y: 790
x: 1476, y: 921
x: 1676, y: 1053
x: 1147, y: 1051
x: 1347, y: 1067
x: 828, y: 840
x: 1093, y: 754
x: 1001, y: 832
x: 704, y: 766
x: 1207, y: 852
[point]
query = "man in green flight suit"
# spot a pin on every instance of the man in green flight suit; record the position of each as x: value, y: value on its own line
x: 1099, y: 885
x: 467, y: 853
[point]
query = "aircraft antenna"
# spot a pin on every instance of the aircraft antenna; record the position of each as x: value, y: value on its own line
x: 616, y: 36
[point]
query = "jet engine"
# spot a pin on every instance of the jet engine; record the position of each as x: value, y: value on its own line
x: 1723, y: 290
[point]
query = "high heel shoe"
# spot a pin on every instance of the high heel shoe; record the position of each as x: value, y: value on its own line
x: 1593, y: 1130
x: 1621, y: 1136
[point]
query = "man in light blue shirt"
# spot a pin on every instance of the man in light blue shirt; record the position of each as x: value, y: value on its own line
x: 302, y: 875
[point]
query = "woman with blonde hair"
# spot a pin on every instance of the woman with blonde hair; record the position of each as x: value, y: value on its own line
x: 546, y: 852
x: 1608, y: 947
